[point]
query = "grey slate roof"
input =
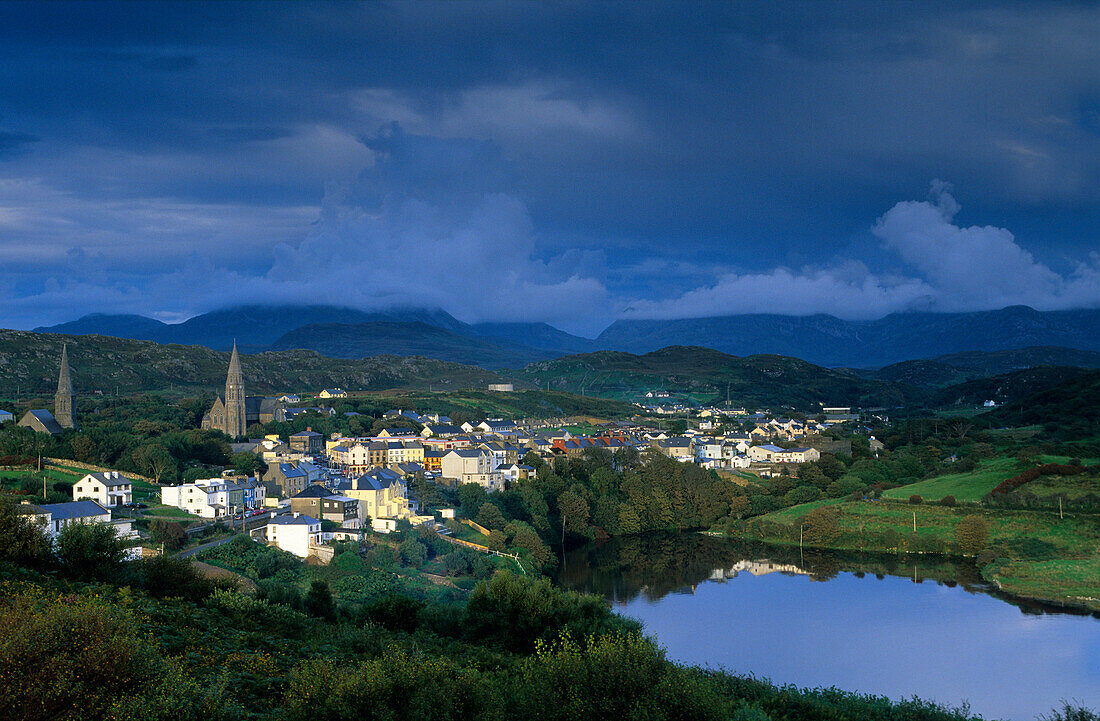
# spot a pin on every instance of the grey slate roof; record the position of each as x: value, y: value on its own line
x: 110, y: 482
x: 292, y: 521
x: 47, y: 420
x: 73, y: 509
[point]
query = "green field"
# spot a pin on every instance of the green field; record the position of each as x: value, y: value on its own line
x: 1036, y: 554
x: 965, y: 487
x: 159, y: 511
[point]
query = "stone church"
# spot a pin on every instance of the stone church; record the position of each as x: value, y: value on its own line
x: 235, y: 412
x: 42, y: 420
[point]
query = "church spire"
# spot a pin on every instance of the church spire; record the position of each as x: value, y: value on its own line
x: 63, y: 400
x: 234, y: 397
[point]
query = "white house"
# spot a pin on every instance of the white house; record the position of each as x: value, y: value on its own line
x: 295, y: 533
x: 740, y: 462
x: 764, y: 453
x: 56, y: 516
x: 6, y: 417
x: 708, y: 449
x: 110, y: 489
x: 797, y: 455
x: 214, y: 497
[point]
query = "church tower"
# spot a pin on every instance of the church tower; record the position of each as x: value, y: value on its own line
x: 63, y: 399
x: 234, y: 397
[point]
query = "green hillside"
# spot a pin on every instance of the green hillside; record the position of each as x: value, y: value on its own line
x: 29, y: 365
x: 706, y: 375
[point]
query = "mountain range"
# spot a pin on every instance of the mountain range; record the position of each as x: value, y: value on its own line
x: 820, y: 339
x: 29, y: 362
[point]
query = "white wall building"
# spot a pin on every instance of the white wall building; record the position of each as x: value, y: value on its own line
x: 294, y: 534
x: 110, y: 489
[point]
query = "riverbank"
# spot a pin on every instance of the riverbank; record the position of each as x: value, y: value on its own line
x: 1031, y: 554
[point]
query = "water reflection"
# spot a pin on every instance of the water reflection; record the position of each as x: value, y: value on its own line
x: 655, y: 565
x: 928, y: 626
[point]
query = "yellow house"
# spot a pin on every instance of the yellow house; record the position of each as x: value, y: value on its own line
x: 333, y: 393
x: 381, y: 494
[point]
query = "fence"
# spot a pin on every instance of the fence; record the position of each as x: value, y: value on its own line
x: 97, y: 469
x: 482, y: 549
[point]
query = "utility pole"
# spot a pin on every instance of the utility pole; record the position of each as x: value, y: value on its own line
x: 1060, y: 516
x: 914, y: 521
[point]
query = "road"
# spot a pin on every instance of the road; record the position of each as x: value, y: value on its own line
x: 199, y: 549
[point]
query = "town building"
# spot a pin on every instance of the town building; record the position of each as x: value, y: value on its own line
x: 235, y: 412
x: 381, y: 493
x: 41, y: 420
x: 109, y: 488
x: 319, y: 502
x: 308, y: 442
x: 295, y: 533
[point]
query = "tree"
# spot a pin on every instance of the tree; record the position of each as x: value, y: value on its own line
x: 413, y: 553
x: 248, y: 464
x: 471, y: 496
x: 525, y: 537
x: 497, y: 540
x: 490, y: 517
x: 802, y: 494
x: 23, y: 540
x: 84, y: 448
x: 170, y: 533
x: 739, y: 506
x: 318, y: 601
x: 154, y: 460
x: 574, y: 512
x: 90, y: 551
x: 971, y: 534
x: 822, y: 525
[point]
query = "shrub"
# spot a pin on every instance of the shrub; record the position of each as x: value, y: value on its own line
x: 971, y: 534
x: 22, y: 540
x: 915, y: 499
x: 947, y: 501
x: 165, y: 576
x: 90, y: 551
x: 170, y: 533
x: 514, y: 612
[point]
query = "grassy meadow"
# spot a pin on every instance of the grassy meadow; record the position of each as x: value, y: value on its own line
x: 1029, y: 553
x: 965, y: 487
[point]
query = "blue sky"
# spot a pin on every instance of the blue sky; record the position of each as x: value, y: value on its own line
x: 571, y: 163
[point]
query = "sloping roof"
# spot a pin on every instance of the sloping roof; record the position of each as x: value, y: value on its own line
x: 468, y: 452
x: 306, y: 434
x: 73, y: 509
x: 293, y: 521
x: 46, y: 420
x: 314, y: 491
x: 107, y: 480
x: 290, y: 471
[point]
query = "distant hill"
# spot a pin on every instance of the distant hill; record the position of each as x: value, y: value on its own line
x: 535, y: 335
x: 1004, y: 388
x: 707, y: 375
x: 29, y: 363
x: 337, y: 340
x: 1073, y: 405
x: 830, y: 341
x: 257, y: 328
x: 254, y: 327
x: 960, y: 367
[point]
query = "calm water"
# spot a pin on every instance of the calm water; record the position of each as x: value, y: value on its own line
x: 858, y: 623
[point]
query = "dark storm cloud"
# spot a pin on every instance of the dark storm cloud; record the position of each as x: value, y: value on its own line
x: 674, y: 158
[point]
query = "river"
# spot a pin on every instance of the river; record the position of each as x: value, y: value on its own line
x: 897, y: 627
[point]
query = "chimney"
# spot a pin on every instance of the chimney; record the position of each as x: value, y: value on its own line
x: 309, y: 429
